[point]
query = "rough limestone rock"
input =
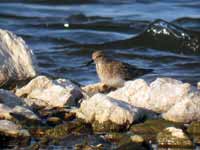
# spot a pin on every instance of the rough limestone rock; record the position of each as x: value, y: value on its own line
x: 5, y: 112
x: 8, y: 128
x: 186, y: 111
x: 173, y: 137
x: 103, y: 109
x: 17, y: 62
x: 50, y: 93
x: 158, y: 96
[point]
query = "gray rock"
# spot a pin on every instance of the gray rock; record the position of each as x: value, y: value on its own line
x: 8, y: 128
x: 10, y: 99
x: 25, y: 113
x: 5, y: 112
x: 45, y: 92
x: 11, y: 105
x: 17, y: 62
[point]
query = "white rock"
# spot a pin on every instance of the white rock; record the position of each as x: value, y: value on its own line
x: 17, y: 62
x: 178, y: 133
x: 137, y: 139
x: 187, y: 110
x: 9, y: 128
x: 159, y: 96
x: 51, y: 93
x: 5, y: 112
x: 102, y: 108
x: 173, y: 137
x: 135, y: 92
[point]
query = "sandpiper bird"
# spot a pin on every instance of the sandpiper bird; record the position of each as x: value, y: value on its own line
x: 114, y: 73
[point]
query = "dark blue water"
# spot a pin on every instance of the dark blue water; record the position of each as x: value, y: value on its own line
x: 128, y: 30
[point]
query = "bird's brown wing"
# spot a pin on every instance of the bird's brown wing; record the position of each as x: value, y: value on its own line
x: 130, y: 71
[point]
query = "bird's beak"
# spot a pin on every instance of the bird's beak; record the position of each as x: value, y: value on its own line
x: 89, y: 62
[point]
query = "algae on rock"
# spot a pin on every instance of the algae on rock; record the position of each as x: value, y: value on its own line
x: 173, y: 137
x: 150, y: 128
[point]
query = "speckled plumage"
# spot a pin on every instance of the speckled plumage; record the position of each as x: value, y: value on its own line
x: 114, y: 73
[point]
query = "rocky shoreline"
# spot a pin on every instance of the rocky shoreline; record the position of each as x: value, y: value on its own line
x: 41, y: 111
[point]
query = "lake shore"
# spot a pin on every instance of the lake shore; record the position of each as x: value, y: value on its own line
x: 41, y: 112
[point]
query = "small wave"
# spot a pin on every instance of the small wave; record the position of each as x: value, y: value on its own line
x: 163, y: 35
x: 160, y: 35
x: 188, y: 22
x: 51, y: 2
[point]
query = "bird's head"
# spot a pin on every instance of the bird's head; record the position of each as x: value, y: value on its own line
x: 97, y: 55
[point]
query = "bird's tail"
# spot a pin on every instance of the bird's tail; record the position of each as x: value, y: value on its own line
x: 142, y: 72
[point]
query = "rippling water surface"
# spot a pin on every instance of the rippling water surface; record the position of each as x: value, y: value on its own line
x: 128, y: 30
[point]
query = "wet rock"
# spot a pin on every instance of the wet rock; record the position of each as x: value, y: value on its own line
x: 186, y: 111
x: 59, y: 131
x: 150, y: 128
x: 53, y: 121
x: 25, y: 114
x: 125, y: 140
x: 132, y: 146
x: 194, y: 131
x: 69, y: 116
x: 118, y: 138
x: 12, y: 131
x: 17, y: 62
x: 16, y: 107
x: 9, y: 128
x: 37, y: 132
x: 173, y: 137
x: 137, y: 139
x: 105, y: 113
x: 108, y: 126
x: 62, y: 113
x: 54, y: 112
x: 194, y: 128
x: 158, y: 96
x: 88, y: 147
x: 45, y: 92
x: 34, y: 146
x: 196, y: 139
x: 63, y: 130
x: 13, y: 107
x: 96, y: 88
x: 42, y: 144
x: 5, y: 112
x: 9, y: 99
x: 43, y: 113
